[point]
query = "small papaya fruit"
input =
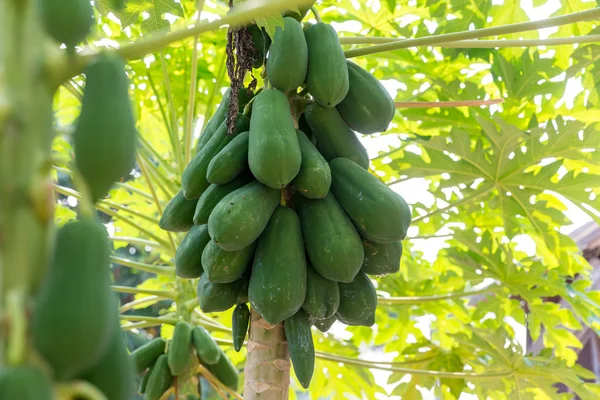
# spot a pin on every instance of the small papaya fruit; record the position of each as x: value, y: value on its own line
x: 324, y: 324
x: 239, y: 325
x: 327, y: 75
x: 231, y: 161
x: 74, y: 310
x: 67, y: 21
x: 225, y: 371
x: 179, y: 352
x: 221, y: 266
x: 214, y: 297
x: 381, y: 258
x: 214, y: 194
x: 288, y: 56
x: 105, y: 136
x: 160, y: 379
x: 207, y: 349
x: 273, y: 151
x: 145, y: 356
x: 24, y: 382
x: 241, y: 216
x: 314, y: 179
x: 178, y: 215
x: 188, y: 258
x: 322, y: 295
x: 358, y: 302
x: 300, y: 346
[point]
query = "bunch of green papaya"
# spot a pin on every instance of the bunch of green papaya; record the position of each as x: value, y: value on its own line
x: 160, y: 362
x: 284, y: 213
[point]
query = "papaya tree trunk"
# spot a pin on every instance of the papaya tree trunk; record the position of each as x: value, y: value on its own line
x: 267, y: 368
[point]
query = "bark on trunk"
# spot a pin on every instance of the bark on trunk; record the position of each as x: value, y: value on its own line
x: 267, y: 368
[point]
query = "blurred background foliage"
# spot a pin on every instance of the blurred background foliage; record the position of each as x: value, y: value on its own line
x: 494, y: 193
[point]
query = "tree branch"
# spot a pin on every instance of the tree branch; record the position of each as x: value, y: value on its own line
x: 477, y: 33
x: 480, y: 44
x: 428, y: 299
x: 134, y: 290
x: 153, y: 269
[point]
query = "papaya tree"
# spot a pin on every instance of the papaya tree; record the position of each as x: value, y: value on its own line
x: 365, y: 199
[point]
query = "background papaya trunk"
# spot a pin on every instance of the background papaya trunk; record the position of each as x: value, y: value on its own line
x: 268, y: 363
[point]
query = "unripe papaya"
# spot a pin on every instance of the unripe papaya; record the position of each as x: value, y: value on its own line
x: 300, y: 346
x: 273, y: 150
x: 327, y: 76
x: 207, y: 349
x: 288, y: 56
x: 211, y: 196
x: 324, y: 324
x: 178, y: 215
x: 105, y: 136
x: 241, y: 216
x: 188, y: 258
x: 278, y: 282
x: 67, y: 21
x: 193, y: 181
x: 358, y: 302
x: 262, y: 42
x: 160, y: 379
x: 178, y: 355
x: 381, y: 258
x: 221, y: 266
x: 230, y: 162
x: 114, y: 375
x: 24, y: 383
x: 239, y: 325
x: 314, y: 179
x: 322, y: 295
x: 368, y: 107
x: 332, y: 243
x: 73, y: 314
x: 225, y: 371
x: 380, y: 214
x: 146, y: 355
x: 214, y: 297
x: 334, y: 136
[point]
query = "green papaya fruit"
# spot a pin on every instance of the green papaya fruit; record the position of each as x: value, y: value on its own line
x: 322, y: 295
x: 72, y: 318
x: 214, y: 297
x: 381, y: 258
x: 214, y: 194
x: 334, y: 137
x: 24, y: 382
x: 300, y: 346
x: 278, y: 282
x: 241, y: 216
x: 327, y: 76
x: 160, y: 379
x: 220, y: 115
x: 178, y: 215
x: 223, y: 266
x: 273, y: 150
x: 178, y: 355
x: 207, y: 349
x: 314, y: 179
x: 262, y: 42
x: 193, y: 181
x: 288, y: 56
x: 240, y: 320
x: 225, y: 371
x: 358, y: 302
x: 144, y: 381
x: 188, y: 258
x: 230, y: 162
x: 145, y: 356
x: 67, y: 21
x: 332, y: 243
x: 368, y: 107
x: 324, y: 324
x: 105, y: 136
x: 379, y: 213
x: 114, y: 375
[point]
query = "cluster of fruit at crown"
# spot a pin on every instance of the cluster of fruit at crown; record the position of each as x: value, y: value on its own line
x: 74, y: 326
x: 160, y: 369
x: 290, y: 220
